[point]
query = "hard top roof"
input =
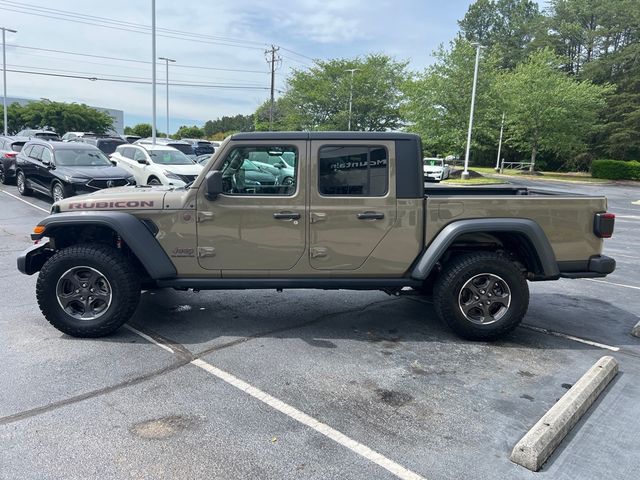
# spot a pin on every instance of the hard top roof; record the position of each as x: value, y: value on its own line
x: 62, y: 145
x: 324, y: 136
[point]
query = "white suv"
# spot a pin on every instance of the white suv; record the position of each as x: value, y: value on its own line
x: 156, y: 164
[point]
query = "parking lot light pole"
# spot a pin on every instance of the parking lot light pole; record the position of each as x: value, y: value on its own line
x: 4, y: 77
x: 352, y: 70
x: 465, y: 173
x: 166, y: 61
x: 500, y: 143
x: 153, y: 71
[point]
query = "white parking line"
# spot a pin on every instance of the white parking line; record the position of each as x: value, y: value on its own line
x: 24, y: 201
x: 292, y: 412
x: 630, y: 217
x: 612, y: 283
x: 570, y: 337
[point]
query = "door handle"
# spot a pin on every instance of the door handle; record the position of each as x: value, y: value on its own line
x: 286, y: 216
x: 370, y: 216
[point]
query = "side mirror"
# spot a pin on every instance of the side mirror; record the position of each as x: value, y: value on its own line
x: 47, y: 163
x: 213, y: 185
x: 113, y: 162
x: 142, y: 161
x: 279, y: 165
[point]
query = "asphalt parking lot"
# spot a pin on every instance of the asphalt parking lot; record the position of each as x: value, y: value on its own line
x: 314, y: 384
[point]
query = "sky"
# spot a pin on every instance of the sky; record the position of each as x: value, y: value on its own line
x: 226, y: 40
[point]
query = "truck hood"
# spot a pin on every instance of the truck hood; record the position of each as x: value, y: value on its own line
x: 193, y: 169
x: 120, y: 198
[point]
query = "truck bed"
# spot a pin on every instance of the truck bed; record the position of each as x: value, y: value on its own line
x: 491, y: 190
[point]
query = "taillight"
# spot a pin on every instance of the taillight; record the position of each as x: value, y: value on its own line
x: 603, y: 224
x: 10, y: 155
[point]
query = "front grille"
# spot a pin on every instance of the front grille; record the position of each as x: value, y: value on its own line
x: 188, y: 178
x: 107, y: 183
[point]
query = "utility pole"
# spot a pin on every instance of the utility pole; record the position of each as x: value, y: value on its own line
x: 167, y: 60
x: 153, y: 71
x: 500, y: 143
x: 352, y: 70
x: 4, y: 77
x: 465, y: 173
x: 273, y: 59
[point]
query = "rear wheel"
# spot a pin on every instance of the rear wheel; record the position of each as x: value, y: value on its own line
x: 3, y: 177
x: 481, y: 296
x: 87, y: 290
x: 21, y: 182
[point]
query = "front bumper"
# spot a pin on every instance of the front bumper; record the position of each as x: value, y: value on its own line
x: 32, y: 259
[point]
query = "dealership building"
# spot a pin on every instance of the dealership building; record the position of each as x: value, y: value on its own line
x: 117, y: 115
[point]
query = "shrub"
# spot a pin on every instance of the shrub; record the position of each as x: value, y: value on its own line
x: 616, y: 169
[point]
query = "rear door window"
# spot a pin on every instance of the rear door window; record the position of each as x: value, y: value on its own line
x: 353, y: 171
x: 36, y: 152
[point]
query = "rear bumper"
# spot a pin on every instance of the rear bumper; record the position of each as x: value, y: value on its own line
x: 596, y: 266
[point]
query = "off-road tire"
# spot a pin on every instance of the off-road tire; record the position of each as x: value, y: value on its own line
x: 113, y: 265
x: 458, y: 272
x: 22, y: 184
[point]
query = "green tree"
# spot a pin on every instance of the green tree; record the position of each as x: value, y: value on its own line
x: 225, y: 124
x: 61, y: 117
x: 506, y: 27
x: 14, y: 119
x: 545, y: 109
x: 189, y: 132
x: 439, y: 99
x: 143, y: 130
x: 318, y: 98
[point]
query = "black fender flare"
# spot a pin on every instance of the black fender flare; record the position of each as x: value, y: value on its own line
x: 523, y: 226
x: 133, y: 231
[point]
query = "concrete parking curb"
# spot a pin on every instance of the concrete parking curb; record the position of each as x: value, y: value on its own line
x: 540, y: 442
x: 635, y: 331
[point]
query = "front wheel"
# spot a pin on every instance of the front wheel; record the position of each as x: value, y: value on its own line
x: 87, y: 290
x: 58, y: 192
x: 481, y: 296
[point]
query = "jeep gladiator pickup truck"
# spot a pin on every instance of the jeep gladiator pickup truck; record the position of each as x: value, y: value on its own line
x: 356, y: 216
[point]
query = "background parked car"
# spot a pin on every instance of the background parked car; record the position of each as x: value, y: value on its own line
x: 73, y: 136
x: 130, y: 138
x: 200, y: 147
x: 275, y: 164
x: 156, y: 164
x: 64, y: 169
x: 107, y: 145
x: 9, y: 148
x: 184, y: 147
x: 435, y: 169
x: 39, y: 134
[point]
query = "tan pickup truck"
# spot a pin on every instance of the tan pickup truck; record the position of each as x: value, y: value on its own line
x: 355, y: 216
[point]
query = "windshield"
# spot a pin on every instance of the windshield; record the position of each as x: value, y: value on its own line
x: 81, y: 157
x: 186, y: 149
x: 432, y: 162
x: 170, y: 157
x: 47, y: 136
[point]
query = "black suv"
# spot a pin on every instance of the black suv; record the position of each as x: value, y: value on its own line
x: 63, y: 169
x: 107, y: 145
x: 9, y: 148
x: 201, y: 147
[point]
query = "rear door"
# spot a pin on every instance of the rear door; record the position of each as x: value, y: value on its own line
x: 254, y: 225
x: 352, y: 201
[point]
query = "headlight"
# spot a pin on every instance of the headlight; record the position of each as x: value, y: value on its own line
x: 171, y: 175
x: 76, y: 179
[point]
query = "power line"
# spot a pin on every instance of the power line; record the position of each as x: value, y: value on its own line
x: 139, y: 82
x: 197, y: 40
x: 298, y: 54
x: 119, y: 22
x: 131, y: 60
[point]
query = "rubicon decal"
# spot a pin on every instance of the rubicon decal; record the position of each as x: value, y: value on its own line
x: 118, y: 204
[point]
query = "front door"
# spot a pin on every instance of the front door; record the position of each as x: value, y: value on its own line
x: 352, y: 201
x: 257, y: 223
